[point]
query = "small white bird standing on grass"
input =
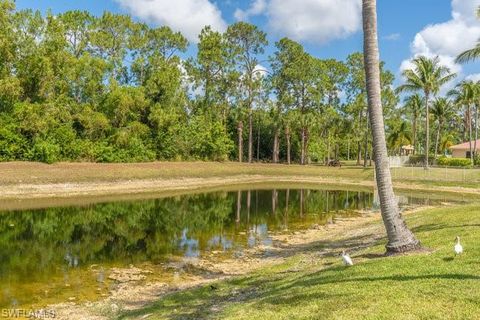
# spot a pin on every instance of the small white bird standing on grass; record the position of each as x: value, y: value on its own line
x: 346, y: 259
x: 458, y: 247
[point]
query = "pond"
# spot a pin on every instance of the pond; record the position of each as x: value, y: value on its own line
x: 59, y: 254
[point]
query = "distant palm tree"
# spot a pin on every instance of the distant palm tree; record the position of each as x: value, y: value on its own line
x: 400, y: 238
x: 400, y: 136
x: 414, y: 105
x: 427, y: 75
x: 447, y: 141
x: 464, y: 95
x: 471, y: 54
x: 442, y: 111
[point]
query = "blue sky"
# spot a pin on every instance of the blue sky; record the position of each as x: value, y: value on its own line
x: 327, y: 28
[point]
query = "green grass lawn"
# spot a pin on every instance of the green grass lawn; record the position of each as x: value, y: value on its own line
x: 433, y: 285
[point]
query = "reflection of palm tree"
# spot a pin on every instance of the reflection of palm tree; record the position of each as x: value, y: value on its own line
x: 285, y: 218
x: 429, y: 76
x: 239, y: 206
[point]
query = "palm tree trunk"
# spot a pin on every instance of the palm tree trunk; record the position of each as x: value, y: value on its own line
x: 303, y: 155
x: 359, y: 148
x: 250, y: 135
x: 414, y: 129
x: 348, y: 149
x: 258, y: 143
x: 400, y: 238
x: 240, y: 141
x: 470, y: 135
x: 289, y: 147
x: 328, y: 148
x: 276, y: 146
x: 427, y: 130
x: 437, y: 140
x: 365, y: 147
x: 476, y: 132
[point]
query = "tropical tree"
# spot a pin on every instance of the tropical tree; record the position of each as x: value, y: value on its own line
x: 464, y: 95
x: 399, y: 136
x: 400, y: 238
x: 414, y: 105
x: 427, y: 75
x: 442, y: 111
x: 246, y: 43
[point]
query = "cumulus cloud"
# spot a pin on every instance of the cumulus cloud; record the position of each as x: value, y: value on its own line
x: 186, y: 16
x: 314, y: 21
x: 256, y: 7
x: 448, y: 39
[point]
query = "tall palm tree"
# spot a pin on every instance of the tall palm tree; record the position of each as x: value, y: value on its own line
x: 414, y: 105
x: 464, y: 95
x: 471, y: 54
x: 428, y: 76
x: 442, y: 110
x: 400, y: 238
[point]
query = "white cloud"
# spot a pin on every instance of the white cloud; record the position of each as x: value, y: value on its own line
x: 186, y: 16
x: 317, y: 21
x: 448, y: 39
x: 256, y: 7
x: 473, y: 77
x: 314, y: 21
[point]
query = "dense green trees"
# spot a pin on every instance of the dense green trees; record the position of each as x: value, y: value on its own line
x: 75, y: 87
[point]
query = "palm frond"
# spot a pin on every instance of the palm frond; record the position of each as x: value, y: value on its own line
x: 469, y: 55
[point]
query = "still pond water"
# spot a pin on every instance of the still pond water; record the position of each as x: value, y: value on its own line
x: 60, y: 254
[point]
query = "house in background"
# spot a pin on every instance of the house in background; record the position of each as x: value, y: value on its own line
x: 463, y: 150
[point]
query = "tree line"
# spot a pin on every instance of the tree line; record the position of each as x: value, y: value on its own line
x: 76, y: 87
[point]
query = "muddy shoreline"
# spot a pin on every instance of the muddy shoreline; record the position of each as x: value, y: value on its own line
x: 311, y: 245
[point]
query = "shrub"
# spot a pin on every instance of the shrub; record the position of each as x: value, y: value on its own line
x: 419, y: 159
x: 46, y: 151
x: 454, y: 162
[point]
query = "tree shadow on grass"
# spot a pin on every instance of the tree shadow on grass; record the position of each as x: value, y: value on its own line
x: 268, y: 292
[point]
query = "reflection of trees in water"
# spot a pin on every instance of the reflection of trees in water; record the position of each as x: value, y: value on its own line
x: 39, y: 240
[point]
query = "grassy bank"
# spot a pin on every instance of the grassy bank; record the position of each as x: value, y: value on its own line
x: 42, y: 185
x: 33, y: 173
x: 430, y: 285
